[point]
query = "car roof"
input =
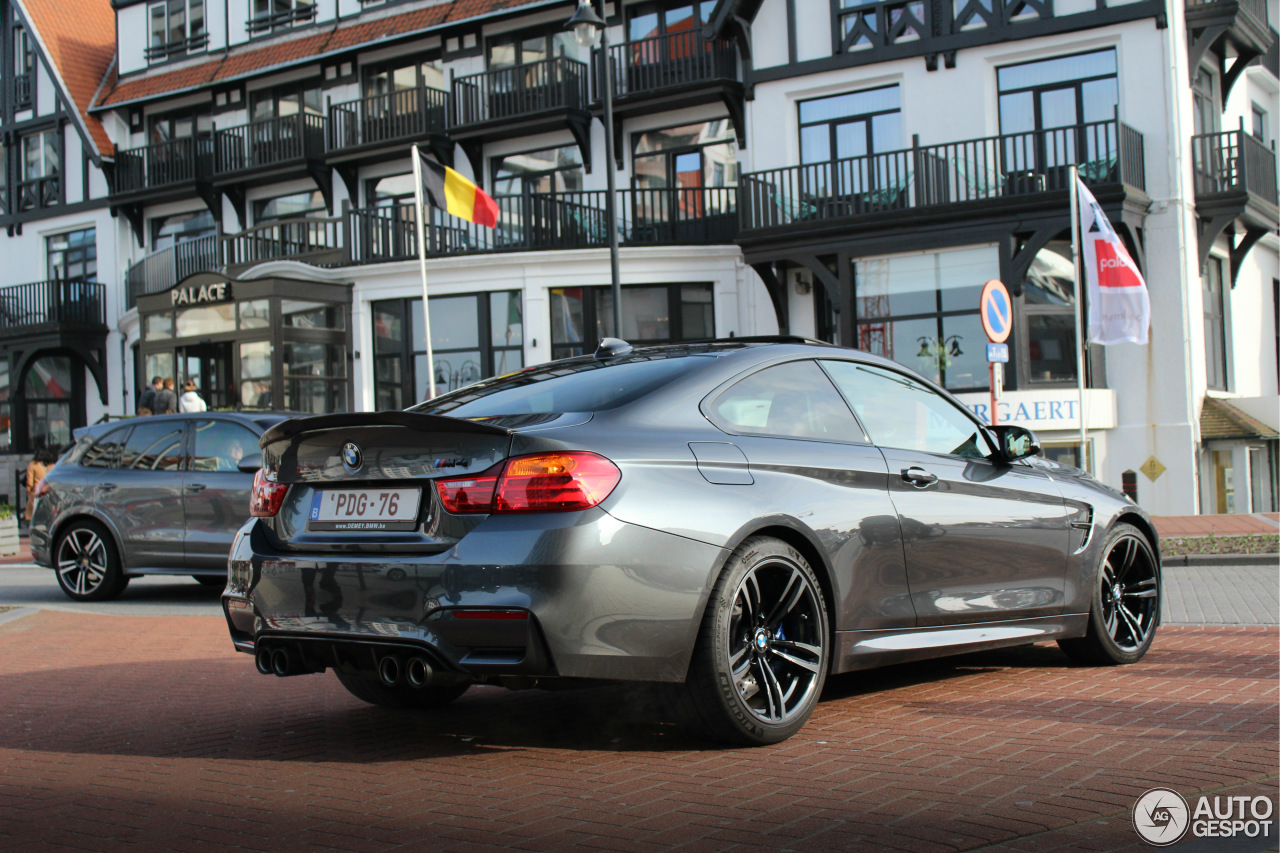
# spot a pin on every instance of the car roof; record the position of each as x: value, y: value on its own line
x: 261, y: 420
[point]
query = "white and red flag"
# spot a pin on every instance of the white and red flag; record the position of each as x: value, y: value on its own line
x: 1119, y: 307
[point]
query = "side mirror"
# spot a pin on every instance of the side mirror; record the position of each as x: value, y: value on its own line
x: 250, y: 464
x: 1015, y: 442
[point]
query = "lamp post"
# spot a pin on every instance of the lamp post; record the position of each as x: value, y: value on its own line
x: 590, y: 29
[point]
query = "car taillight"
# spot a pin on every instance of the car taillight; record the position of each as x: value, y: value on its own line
x: 469, y: 494
x: 267, y: 496
x: 550, y: 482
x: 546, y: 482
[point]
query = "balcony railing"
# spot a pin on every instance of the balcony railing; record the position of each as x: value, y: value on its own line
x: 995, y: 167
x: 268, y: 142
x: 391, y: 117
x: 675, y: 59
x: 879, y: 25
x: 298, y: 13
x: 161, y: 270
x: 181, y: 47
x: 163, y: 164
x: 53, y: 302
x: 1233, y: 161
x: 522, y: 90
x: 317, y: 241
x: 39, y: 193
x: 539, y: 221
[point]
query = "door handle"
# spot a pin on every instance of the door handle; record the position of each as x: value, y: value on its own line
x: 919, y: 477
x: 196, y: 487
x: 106, y: 487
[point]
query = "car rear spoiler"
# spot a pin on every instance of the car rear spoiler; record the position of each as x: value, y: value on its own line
x: 409, y: 420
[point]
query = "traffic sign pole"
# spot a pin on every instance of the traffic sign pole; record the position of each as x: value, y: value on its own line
x: 995, y: 307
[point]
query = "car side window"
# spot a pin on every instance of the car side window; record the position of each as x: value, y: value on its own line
x: 105, y: 452
x: 902, y: 413
x: 154, y: 447
x: 220, y: 445
x: 792, y: 400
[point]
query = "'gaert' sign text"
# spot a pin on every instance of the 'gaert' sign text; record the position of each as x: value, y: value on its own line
x: 219, y: 291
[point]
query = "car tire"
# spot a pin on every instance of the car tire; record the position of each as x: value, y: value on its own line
x: 1125, y: 608
x: 367, y: 688
x: 211, y: 580
x: 87, y: 564
x: 763, y: 650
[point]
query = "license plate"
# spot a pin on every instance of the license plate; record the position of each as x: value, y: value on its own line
x: 364, y: 509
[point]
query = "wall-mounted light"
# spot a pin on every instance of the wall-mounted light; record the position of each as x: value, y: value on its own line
x: 802, y: 286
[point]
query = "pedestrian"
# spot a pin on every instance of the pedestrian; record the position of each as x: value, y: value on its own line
x: 191, y: 401
x: 36, y: 469
x: 166, y: 399
x: 147, y: 402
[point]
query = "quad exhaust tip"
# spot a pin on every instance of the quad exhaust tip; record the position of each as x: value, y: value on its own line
x: 418, y: 673
x: 389, y: 670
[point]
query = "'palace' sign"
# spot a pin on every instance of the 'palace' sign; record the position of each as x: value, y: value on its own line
x: 219, y: 291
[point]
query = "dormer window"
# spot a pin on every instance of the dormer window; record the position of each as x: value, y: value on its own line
x: 268, y: 16
x: 176, y: 29
x: 24, y: 64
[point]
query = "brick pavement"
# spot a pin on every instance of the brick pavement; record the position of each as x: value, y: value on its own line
x: 1217, y: 525
x: 119, y: 732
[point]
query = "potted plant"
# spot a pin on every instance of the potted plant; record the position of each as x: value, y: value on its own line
x: 8, y: 530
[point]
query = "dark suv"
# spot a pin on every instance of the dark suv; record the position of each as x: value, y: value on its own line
x: 156, y: 495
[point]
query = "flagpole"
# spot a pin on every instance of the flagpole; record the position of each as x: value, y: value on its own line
x: 1081, y: 289
x: 420, y: 215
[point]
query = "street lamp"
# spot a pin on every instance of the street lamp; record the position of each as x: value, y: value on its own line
x: 590, y: 29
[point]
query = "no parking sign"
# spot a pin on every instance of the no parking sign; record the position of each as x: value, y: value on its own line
x: 996, y: 310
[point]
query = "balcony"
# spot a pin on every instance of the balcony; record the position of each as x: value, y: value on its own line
x: 164, y: 169
x: 673, y: 71
x: 286, y: 147
x: 161, y: 270
x: 550, y: 221
x: 522, y: 100
x: 952, y: 181
x: 1235, y: 182
x: 1213, y: 24
x: 381, y: 127
x: 52, y: 307
x: 314, y: 241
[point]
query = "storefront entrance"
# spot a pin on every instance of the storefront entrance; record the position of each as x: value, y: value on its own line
x: 272, y: 343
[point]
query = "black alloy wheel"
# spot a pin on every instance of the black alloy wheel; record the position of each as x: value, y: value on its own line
x: 86, y: 563
x: 1126, y: 602
x: 763, y: 652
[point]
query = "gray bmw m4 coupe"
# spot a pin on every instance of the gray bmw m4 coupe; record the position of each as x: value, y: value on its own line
x: 738, y: 519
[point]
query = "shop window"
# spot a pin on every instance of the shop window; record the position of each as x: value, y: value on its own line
x: 921, y: 310
x: 206, y: 320
x: 656, y: 314
x: 1048, y: 309
x: 255, y: 375
x: 295, y: 314
x: 473, y: 337
x: 1215, y: 326
x: 49, y: 392
x: 72, y: 256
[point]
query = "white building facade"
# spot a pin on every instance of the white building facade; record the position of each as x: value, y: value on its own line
x: 852, y: 172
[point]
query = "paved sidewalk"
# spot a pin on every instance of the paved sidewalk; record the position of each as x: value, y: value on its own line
x: 124, y: 733
x: 1216, y: 525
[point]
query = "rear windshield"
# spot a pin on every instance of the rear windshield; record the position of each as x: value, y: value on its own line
x: 567, y: 386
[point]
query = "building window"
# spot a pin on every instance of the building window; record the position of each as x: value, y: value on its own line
x: 1204, y: 111
x: 403, y: 75
x: 513, y: 49
x: 176, y: 28
x: 184, y: 125
x: 4, y: 179
x: 305, y: 205
x: 24, y: 65
x: 858, y: 24
x: 41, y: 165
x: 547, y: 171
x: 650, y: 20
x: 855, y: 124
x: 473, y: 336
x: 1049, y: 112
x: 1259, y: 123
x: 921, y: 310
x: 1215, y: 326
x: 169, y: 231
x: 267, y: 16
x: 73, y: 255
x: 651, y: 314
x: 280, y: 103
x: 684, y: 173
x: 1048, y: 308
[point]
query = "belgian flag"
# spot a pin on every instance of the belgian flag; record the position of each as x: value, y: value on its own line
x: 444, y: 188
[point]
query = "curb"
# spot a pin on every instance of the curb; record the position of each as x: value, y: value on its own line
x: 17, y: 613
x: 1221, y: 560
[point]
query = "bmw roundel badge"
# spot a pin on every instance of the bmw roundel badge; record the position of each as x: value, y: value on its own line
x: 352, y: 458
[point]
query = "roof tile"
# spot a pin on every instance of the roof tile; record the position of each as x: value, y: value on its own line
x: 1220, y: 419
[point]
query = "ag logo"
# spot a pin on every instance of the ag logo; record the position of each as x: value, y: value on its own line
x: 1161, y: 817
x: 351, y: 456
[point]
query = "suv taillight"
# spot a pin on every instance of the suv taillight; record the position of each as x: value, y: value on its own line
x: 545, y: 482
x: 267, y: 496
